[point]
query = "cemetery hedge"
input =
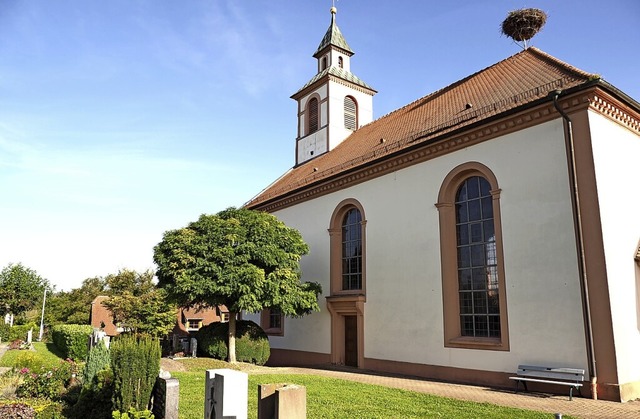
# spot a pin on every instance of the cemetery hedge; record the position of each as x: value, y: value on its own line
x: 71, y: 340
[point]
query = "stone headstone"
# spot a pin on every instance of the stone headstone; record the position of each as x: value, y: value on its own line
x: 166, y: 395
x: 29, y: 336
x: 282, y: 401
x: 226, y: 394
x: 194, y: 347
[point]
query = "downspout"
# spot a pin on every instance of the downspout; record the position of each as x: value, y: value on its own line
x: 582, y: 267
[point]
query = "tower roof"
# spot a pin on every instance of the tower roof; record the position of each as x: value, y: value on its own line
x: 333, y: 37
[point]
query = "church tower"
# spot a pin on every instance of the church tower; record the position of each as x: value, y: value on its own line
x: 335, y: 102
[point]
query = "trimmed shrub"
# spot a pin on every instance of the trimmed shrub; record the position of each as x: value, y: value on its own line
x: 135, y: 363
x: 98, y: 360
x: 72, y: 340
x: 252, y: 343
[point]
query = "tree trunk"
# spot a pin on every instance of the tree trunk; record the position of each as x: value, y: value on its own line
x: 232, y: 337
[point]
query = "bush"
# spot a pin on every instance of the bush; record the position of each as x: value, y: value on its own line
x: 28, y: 359
x: 94, y: 400
x: 98, y: 360
x: 135, y: 363
x: 20, y: 331
x: 4, y: 332
x: 72, y: 340
x: 252, y: 343
x: 133, y: 414
x: 17, y: 411
x: 48, y: 384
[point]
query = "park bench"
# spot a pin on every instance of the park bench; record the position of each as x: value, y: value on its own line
x: 570, y: 377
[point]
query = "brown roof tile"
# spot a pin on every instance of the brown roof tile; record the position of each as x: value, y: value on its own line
x: 516, y: 81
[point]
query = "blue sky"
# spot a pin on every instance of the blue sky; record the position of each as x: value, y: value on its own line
x: 120, y: 120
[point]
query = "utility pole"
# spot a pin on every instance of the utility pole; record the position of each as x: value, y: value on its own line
x: 44, y: 300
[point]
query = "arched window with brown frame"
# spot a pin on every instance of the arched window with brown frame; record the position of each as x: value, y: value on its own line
x: 313, y: 115
x: 350, y: 113
x: 348, y: 248
x: 473, y: 276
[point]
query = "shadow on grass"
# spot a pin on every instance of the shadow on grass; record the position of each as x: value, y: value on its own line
x: 54, y: 350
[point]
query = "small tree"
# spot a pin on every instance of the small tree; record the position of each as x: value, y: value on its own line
x: 21, y: 289
x: 243, y: 259
x: 138, y: 305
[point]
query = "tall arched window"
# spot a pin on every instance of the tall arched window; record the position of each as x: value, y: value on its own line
x: 340, y: 62
x: 352, y: 250
x: 350, y: 113
x: 312, y: 115
x: 477, y: 262
x: 348, y: 249
x: 473, y: 276
x: 324, y: 64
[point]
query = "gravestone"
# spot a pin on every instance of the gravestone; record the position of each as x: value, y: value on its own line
x: 194, y: 347
x: 166, y: 395
x: 226, y: 394
x: 282, y: 401
x: 29, y: 336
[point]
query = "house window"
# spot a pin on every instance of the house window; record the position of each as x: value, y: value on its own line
x: 350, y: 113
x: 347, y: 240
x: 312, y: 115
x: 224, y: 317
x: 340, y: 62
x: 194, y: 324
x: 352, y: 250
x: 272, y: 321
x: 473, y: 280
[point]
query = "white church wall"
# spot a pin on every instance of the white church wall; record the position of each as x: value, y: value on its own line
x: 616, y: 153
x: 336, y: 106
x: 403, y: 273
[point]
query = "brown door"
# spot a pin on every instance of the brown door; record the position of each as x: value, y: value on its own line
x: 351, y: 341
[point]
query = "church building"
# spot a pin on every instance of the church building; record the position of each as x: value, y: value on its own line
x: 489, y: 224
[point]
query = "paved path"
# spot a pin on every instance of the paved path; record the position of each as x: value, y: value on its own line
x: 578, y: 407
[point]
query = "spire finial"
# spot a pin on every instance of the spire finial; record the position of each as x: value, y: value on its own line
x: 333, y: 7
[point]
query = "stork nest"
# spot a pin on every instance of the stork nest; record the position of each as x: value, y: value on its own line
x: 523, y: 24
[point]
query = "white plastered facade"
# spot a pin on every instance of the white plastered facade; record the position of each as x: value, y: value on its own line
x: 616, y: 151
x: 404, y: 301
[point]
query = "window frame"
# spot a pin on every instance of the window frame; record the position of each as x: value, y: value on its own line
x: 265, y: 323
x: 349, y: 113
x: 310, y: 127
x: 449, y: 264
x: 336, y: 255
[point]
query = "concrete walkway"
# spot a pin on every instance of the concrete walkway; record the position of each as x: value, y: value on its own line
x: 578, y: 407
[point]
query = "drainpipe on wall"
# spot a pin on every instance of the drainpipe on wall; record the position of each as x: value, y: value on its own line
x: 582, y: 268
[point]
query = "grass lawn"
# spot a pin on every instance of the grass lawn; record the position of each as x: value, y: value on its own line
x: 335, y: 398
x: 326, y: 397
x: 47, y: 352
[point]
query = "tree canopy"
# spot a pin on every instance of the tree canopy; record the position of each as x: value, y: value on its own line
x: 243, y: 259
x: 138, y: 305
x: 21, y: 289
x: 74, y: 307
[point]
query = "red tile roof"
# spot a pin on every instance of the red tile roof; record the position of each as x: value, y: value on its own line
x: 101, y: 315
x: 519, y: 80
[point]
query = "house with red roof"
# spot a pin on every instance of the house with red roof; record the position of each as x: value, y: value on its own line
x: 489, y: 224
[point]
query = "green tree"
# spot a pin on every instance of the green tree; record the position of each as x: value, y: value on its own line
x: 21, y: 289
x: 138, y: 305
x: 243, y: 259
x: 74, y: 307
